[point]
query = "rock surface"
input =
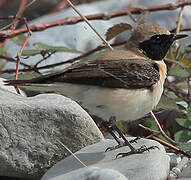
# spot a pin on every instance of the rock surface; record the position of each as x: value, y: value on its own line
x: 182, y: 170
x: 31, y: 129
x: 147, y: 166
x: 92, y: 173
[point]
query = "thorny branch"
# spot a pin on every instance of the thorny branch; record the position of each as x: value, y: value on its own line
x: 73, y: 60
x: 22, y: 48
x: 99, y: 16
x: 10, y: 59
x: 16, y: 21
x: 169, y: 145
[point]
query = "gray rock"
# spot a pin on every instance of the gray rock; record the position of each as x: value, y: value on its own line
x: 147, y: 166
x: 186, y: 172
x: 92, y: 173
x: 182, y: 170
x: 31, y: 129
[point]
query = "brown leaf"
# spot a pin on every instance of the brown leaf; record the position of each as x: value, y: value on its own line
x: 116, y: 30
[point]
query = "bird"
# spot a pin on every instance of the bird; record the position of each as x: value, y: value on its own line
x: 123, y: 84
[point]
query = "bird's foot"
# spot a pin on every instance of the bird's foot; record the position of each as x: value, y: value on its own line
x: 137, y: 151
x: 135, y: 140
x: 121, y: 144
x: 114, y: 147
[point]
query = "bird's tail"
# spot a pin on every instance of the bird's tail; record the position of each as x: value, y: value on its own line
x: 28, y: 82
x: 44, y: 79
x: 19, y: 82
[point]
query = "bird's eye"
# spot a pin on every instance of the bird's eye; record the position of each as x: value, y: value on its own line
x: 156, y: 37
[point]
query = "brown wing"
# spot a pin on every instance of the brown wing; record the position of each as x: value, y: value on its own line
x: 130, y: 74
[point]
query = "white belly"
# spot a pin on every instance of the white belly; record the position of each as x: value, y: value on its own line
x: 123, y: 104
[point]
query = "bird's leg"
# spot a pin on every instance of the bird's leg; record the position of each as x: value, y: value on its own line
x: 126, y: 143
x: 120, y: 144
x: 110, y: 130
x: 123, y: 137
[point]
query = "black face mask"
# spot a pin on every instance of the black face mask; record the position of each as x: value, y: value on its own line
x: 157, y: 46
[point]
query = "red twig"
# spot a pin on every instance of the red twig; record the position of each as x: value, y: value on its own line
x: 182, y: 29
x: 169, y: 145
x: 22, y: 48
x: 63, y: 4
x: 16, y: 20
x: 103, y: 16
x: 4, y: 3
x: 10, y: 59
x: 35, y: 68
x: 20, y: 53
x: 19, y: 14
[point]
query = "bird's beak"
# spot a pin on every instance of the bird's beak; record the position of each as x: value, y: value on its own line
x: 179, y: 36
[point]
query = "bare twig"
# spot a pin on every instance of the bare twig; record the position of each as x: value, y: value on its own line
x: 16, y: 21
x: 20, y: 53
x: 30, y: 3
x: 91, y: 26
x: 189, y: 90
x: 161, y: 130
x: 63, y: 4
x: 179, y: 20
x: 22, y: 48
x: 181, y: 29
x: 149, y: 129
x: 73, y: 60
x: 103, y: 16
x: 71, y: 153
x: 19, y: 14
x: 10, y: 59
x: 169, y: 145
x: 4, y: 3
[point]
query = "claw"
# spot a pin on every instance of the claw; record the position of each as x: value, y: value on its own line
x: 137, y: 151
x: 108, y: 149
x: 113, y: 148
x: 135, y: 140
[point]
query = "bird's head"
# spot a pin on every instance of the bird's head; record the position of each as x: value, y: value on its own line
x: 154, y: 40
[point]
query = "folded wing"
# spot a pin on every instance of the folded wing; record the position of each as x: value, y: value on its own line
x: 130, y: 74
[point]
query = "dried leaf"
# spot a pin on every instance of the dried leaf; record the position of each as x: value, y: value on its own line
x: 116, y: 30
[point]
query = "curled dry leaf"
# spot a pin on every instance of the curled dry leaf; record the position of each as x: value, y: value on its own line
x: 116, y: 30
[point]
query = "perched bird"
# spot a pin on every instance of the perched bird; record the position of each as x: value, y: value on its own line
x: 120, y: 84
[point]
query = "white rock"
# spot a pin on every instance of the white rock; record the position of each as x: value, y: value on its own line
x: 92, y: 173
x: 30, y: 129
x: 147, y: 166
